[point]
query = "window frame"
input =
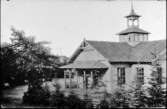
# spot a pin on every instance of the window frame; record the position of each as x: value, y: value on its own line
x: 140, y: 75
x: 121, y: 76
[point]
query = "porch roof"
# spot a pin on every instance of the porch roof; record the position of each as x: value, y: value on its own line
x: 85, y: 65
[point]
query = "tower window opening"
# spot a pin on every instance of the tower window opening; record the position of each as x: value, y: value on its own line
x: 129, y: 38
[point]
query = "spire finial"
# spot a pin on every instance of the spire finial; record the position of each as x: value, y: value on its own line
x: 132, y: 5
x: 84, y: 36
x: 84, y: 39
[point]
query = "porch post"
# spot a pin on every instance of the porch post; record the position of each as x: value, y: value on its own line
x: 91, y: 74
x: 84, y: 75
x: 84, y: 78
x: 91, y: 77
x: 76, y: 72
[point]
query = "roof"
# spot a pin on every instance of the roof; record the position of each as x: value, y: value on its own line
x: 132, y: 14
x: 123, y: 52
x: 133, y: 29
x: 85, y: 65
x: 162, y: 55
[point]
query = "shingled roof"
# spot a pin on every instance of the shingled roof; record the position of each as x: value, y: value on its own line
x: 132, y: 14
x: 85, y: 65
x: 123, y: 52
x: 133, y: 29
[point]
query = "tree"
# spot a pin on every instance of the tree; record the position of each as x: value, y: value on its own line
x: 9, y: 66
x: 35, y: 59
x: 157, y: 94
x: 37, y: 63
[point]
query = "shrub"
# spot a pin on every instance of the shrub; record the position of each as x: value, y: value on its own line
x: 74, y: 102
x: 139, y: 98
x: 120, y: 98
x: 36, y: 95
x: 103, y: 104
x: 87, y: 102
x: 58, y: 100
x: 39, y: 96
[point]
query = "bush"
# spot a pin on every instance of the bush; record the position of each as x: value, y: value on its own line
x: 58, y: 99
x: 87, y: 102
x: 103, y: 104
x: 36, y: 95
x: 39, y: 96
x: 120, y: 99
x: 139, y: 98
x: 74, y: 102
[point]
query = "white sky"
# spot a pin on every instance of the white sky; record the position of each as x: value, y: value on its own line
x: 65, y: 23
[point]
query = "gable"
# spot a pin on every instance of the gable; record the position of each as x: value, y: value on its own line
x: 86, y: 53
x: 89, y: 54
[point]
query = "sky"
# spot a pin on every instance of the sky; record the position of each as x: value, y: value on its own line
x: 65, y: 23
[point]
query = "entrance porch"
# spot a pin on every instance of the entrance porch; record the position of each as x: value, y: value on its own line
x: 84, y: 74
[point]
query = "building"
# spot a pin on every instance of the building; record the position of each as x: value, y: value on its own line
x: 115, y: 64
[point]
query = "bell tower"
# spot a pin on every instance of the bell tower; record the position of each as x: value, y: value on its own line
x: 133, y: 34
x: 132, y: 18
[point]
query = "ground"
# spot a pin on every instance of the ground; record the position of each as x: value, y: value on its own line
x: 14, y: 95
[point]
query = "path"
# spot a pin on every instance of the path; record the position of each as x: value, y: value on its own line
x: 15, y: 94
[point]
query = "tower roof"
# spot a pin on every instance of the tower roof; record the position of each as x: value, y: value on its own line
x: 132, y: 14
x: 133, y: 29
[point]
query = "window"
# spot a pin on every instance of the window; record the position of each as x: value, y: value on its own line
x: 138, y: 37
x: 140, y: 75
x: 143, y: 37
x: 129, y: 39
x: 134, y: 35
x: 121, y: 75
